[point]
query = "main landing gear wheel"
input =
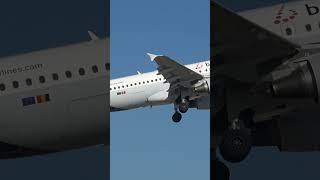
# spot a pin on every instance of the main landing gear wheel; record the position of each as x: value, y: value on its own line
x: 235, y: 145
x: 176, y: 117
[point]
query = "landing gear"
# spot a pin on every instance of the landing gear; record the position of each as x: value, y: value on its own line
x: 184, y: 106
x: 176, y: 117
x: 235, y: 145
x: 237, y: 141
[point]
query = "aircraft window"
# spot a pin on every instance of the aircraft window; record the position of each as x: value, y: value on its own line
x: 28, y: 82
x: 110, y: 89
x: 68, y: 74
x: 130, y: 84
x: 122, y: 86
x: 127, y: 85
x: 42, y: 79
x: 147, y: 81
x: 143, y: 82
x: 114, y: 88
x: 15, y: 84
x: 289, y: 31
x: 2, y: 87
x: 55, y: 76
x: 107, y: 65
x: 139, y: 82
x: 308, y: 27
x: 151, y: 80
x: 200, y: 71
x: 95, y: 69
x: 156, y: 79
x: 118, y: 87
x: 135, y: 84
x: 81, y: 71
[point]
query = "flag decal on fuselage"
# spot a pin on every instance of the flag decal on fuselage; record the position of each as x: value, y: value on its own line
x: 43, y: 98
x: 35, y: 99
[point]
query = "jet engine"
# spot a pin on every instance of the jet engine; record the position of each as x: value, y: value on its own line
x: 302, y: 81
x: 299, y: 83
x: 202, y: 87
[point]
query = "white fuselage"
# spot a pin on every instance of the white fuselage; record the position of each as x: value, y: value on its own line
x: 295, y: 21
x: 146, y: 89
x: 45, y: 97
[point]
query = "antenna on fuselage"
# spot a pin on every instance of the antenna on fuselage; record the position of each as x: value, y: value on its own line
x: 139, y: 72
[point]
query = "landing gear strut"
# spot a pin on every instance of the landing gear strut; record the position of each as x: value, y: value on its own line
x: 183, y: 107
x: 237, y: 141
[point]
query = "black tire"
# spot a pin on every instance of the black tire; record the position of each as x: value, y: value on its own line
x: 183, y: 107
x: 235, y: 145
x: 176, y: 117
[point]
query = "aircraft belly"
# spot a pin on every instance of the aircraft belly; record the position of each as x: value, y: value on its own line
x: 138, y: 97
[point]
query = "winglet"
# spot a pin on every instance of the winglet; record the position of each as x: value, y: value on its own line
x: 152, y: 56
x: 93, y: 36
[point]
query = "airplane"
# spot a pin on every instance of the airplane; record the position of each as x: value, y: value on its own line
x: 55, y: 99
x: 172, y: 83
x: 265, y: 90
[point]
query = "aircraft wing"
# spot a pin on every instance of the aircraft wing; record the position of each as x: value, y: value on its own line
x: 243, y: 45
x: 176, y: 74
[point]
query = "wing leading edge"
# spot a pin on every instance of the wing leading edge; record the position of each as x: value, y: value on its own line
x: 176, y: 74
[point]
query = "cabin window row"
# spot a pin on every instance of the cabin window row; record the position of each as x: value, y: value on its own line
x: 136, y: 84
x: 54, y: 76
x: 308, y: 28
x: 206, y: 70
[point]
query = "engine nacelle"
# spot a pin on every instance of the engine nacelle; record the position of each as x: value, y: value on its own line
x: 298, y: 84
x: 202, y: 87
x: 302, y: 81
